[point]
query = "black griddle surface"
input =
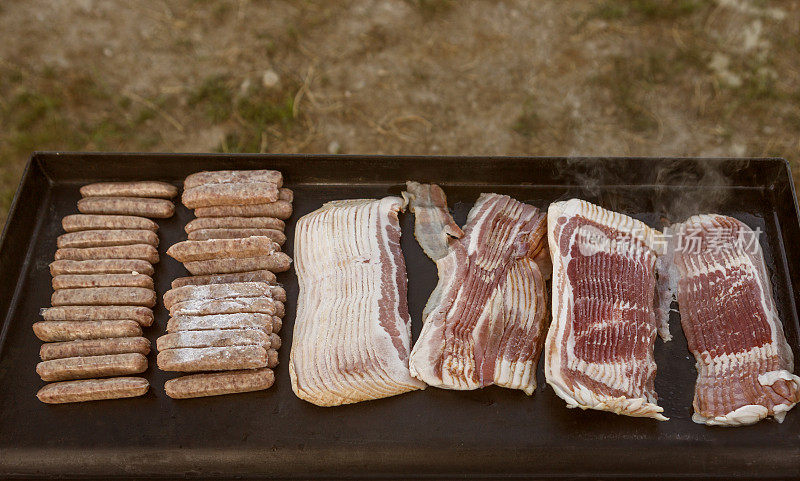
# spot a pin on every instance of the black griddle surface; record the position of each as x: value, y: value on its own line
x: 431, y: 433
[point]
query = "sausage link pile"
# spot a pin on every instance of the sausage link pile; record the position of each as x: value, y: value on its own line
x: 225, y: 317
x: 103, y: 294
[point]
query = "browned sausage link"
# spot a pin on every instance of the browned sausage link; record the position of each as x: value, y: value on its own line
x: 218, y: 383
x: 217, y: 291
x: 54, y: 331
x: 104, y: 296
x: 276, y: 262
x: 281, y: 209
x: 142, y: 315
x: 277, y: 323
x: 144, y: 207
x: 230, y: 194
x: 106, y: 238
x: 102, y: 266
x: 85, y: 367
x: 252, y: 276
x: 147, y: 188
x: 222, y: 248
x: 206, y: 234
x: 214, y: 338
x: 93, y: 390
x: 221, y: 321
x: 144, y: 252
x: 232, y: 177
x: 202, y: 223
x: 94, y: 347
x: 272, y: 358
x: 204, y: 307
x: 192, y: 359
x: 72, y: 281
x: 81, y: 222
x: 278, y: 293
x: 275, y: 341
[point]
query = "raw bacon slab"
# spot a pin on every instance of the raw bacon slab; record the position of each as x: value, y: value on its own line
x: 599, y: 349
x: 352, y: 335
x: 744, y: 365
x: 485, y: 321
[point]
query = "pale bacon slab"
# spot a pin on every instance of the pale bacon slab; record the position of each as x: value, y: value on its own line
x: 352, y: 333
x: 744, y: 364
x: 599, y: 349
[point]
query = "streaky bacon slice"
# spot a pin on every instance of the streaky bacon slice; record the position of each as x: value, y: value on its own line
x: 599, y: 349
x: 744, y: 364
x: 484, y: 323
x: 352, y: 334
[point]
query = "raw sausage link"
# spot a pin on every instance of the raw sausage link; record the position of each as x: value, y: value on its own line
x: 55, y: 331
x: 144, y: 252
x: 217, y: 291
x: 206, y: 234
x: 232, y: 176
x: 235, y: 223
x: 214, y: 338
x: 81, y: 222
x: 142, y: 315
x: 222, y: 248
x: 272, y: 358
x: 91, y: 366
x: 93, y: 390
x: 147, y: 188
x: 106, y: 238
x: 104, y: 296
x: 252, y: 276
x: 72, y: 281
x: 144, y: 207
x: 102, y: 266
x: 208, y: 195
x: 94, y: 347
x: 274, y: 341
x: 276, y: 262
x: 281, y: 209
x: 192, y: 359
x: 218, y: 383
x: 221, y: 321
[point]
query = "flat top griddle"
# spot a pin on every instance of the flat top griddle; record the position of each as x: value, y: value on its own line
x: 432, y: 433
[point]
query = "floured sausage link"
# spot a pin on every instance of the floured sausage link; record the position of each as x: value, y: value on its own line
x: 205, y: 234
x: 232, y: 177
x: 217, y: 291
x: 145, y: 188
x: 275, y: 341
x: 85, y: 367
x: 142, y: 315
x: 272, y: 358
x: 144, y: 252
x: 72, y: 281
x: 106, y: 238
x: 104, y: 296
x: 56, y: 331
x: 140, y: 206
x: 281, y: 209
x: 81, y: 222
x: 214, y: 338
x: 191, y: 359
x: 222, y: 248
x: 277, y: 323
x: 203, y: 307
x: 221, y: 321
x: 94, y: 347
x: 102, y: 266
x: 93, y: 390
x: 230, y: 194
x: 276, y: 262
x: 218, y: 383
x: 252, y: 276
x: 202, y: 223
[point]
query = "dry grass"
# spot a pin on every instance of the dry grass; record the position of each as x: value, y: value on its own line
x: 616, y: 77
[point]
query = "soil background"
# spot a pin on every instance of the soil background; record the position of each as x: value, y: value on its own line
x: 611, y: 77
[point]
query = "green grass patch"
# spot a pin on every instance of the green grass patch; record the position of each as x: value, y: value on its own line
x: 215, y: 96
x: 652, y: 10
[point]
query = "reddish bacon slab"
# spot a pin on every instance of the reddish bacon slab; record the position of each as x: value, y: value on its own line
x: 599, y: 349
x: 484, y: 322
x: 744, y: 364
x: 352, y: 335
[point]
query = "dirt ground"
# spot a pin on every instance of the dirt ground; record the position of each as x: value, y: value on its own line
x: 611, y: 77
